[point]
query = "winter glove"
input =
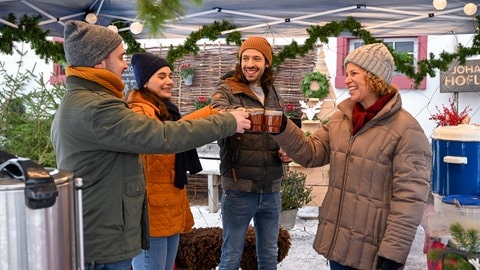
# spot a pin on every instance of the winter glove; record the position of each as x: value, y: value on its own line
x: 386, y: 264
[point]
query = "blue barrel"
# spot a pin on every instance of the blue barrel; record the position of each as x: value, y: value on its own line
x: 456, y: 160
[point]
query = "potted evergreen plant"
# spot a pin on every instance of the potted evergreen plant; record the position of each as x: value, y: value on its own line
x: 463, y: 251
x: 294, y: 194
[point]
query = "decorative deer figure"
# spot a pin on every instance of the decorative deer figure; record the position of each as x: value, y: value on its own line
x: 310, y: 111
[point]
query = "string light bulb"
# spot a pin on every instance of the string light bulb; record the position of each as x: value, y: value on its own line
x: 136, y: 28
x: 91, y: 18
x: 470, y: 9
x: 439, y: 4
x: 113, y: 28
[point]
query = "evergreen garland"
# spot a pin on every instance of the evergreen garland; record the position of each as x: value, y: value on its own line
x: 212, y: 32
x: 29, y: 31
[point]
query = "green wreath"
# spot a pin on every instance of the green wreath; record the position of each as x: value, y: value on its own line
x: 323, y: 88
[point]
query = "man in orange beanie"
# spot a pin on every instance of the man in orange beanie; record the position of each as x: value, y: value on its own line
x: 251, y: 167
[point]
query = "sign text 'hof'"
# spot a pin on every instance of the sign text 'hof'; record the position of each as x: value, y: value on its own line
x: 461, y: 78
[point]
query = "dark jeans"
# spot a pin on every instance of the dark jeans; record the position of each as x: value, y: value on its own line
x: 122, y: 265
x: 160, y: 256
x: 238, y: 208
x: 336, y: 266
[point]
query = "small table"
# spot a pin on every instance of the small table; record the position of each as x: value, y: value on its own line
x: 211, y: 167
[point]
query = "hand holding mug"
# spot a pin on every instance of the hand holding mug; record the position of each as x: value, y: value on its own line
x: 284, y: 157
x: 243, y: 122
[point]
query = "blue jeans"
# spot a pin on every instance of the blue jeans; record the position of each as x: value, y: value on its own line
x: 238, y: 208
x: 160, y: 256
x: 122, y: 265
x: 336, y: 266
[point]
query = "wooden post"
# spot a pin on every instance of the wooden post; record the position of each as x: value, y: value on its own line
x: 213, y: 183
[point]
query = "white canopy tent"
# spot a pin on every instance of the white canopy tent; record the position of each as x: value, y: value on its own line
x: 288, y: 19
x: 285, y: 18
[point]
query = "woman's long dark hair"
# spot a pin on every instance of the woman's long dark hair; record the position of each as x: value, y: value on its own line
x: 148, y: 95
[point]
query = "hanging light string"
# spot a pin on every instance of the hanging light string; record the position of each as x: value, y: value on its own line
x: 469, y: 9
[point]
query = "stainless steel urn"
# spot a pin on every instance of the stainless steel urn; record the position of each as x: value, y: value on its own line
x: 40, y: 217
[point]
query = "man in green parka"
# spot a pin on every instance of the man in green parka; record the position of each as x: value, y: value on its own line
x: 98, y: 138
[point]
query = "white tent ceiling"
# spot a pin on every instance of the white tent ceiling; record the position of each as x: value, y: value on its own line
x: 283, y: 18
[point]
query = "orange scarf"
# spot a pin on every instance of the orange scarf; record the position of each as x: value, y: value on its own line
x: 101, y: 76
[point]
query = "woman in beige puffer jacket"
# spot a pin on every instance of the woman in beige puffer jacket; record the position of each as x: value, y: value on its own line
x: 380, y: 165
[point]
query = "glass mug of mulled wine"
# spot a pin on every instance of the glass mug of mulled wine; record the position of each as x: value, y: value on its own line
x: 256, y: 117
x: 272, y: 120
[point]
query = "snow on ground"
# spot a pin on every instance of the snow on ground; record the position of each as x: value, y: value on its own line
x: 301, y: 254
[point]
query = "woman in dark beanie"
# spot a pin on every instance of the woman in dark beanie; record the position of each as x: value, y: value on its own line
x: 165, y: 174
x: 380, y: 163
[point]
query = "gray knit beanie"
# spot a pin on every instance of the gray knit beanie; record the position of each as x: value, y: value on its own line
x: 145, y: 65
x: 86, y: 45
x: 375, y: 58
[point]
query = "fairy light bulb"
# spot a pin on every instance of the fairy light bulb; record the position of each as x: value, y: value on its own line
x: 113, y: 28
x: 470, y: 9
x: 91, y: 18
x: 439, y: 4
x: 136, y: 28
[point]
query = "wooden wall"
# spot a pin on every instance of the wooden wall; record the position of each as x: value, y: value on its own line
x: 214, y: 60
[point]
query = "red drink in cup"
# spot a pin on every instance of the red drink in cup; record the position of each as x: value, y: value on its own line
x: 256, y: 117
x: 273, y: 121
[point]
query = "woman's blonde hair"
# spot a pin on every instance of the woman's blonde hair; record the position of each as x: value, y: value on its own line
x: 378, y: 85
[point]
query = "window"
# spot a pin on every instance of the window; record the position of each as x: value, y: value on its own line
x: 58, y: 74
x: 58, y: 70
x: 415, y: 46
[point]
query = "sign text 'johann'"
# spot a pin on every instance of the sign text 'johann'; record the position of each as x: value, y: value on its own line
x: 461, y: 78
